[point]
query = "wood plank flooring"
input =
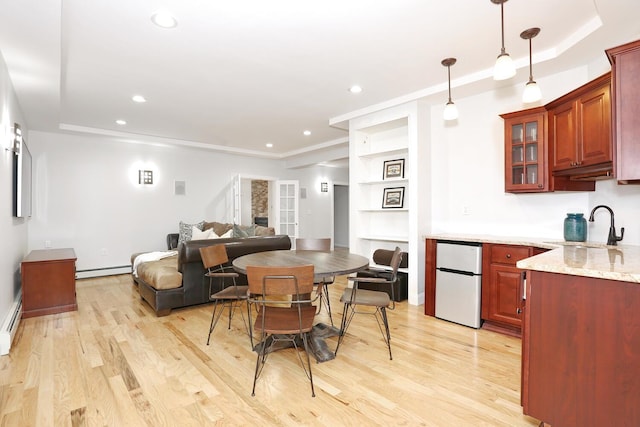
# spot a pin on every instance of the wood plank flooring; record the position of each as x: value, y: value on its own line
x: 114, y: 363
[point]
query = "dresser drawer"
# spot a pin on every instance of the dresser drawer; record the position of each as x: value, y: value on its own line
x: 507, y: 254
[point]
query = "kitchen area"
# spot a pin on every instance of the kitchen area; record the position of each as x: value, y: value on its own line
x: 573, y: 302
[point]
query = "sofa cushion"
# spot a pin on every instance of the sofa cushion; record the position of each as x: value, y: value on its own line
x: 162, y: 274
x: 265, y: 231
x: 184, y: 230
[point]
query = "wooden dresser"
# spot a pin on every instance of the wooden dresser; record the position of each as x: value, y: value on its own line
x: 48, y: 282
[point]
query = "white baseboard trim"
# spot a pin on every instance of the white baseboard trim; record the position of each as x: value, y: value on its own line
x: 105, y: 271
x: 10, y: 325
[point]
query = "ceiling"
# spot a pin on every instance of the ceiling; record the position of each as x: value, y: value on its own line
x: 236, y: 75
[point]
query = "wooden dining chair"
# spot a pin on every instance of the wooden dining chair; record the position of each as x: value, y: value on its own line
x: 322, y: 244
x: 277, y: 321
x: 354, y: 297
x: 231, y: 295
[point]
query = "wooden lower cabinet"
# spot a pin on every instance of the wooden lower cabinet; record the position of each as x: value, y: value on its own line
x: 48, y: 282
x: 581, y: 351
x: 430, y: 277
x: 503, y: 286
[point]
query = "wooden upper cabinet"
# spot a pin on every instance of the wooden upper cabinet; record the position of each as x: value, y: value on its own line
x: 625, y: 69
x: 580, y: 131
x: 526, y: 151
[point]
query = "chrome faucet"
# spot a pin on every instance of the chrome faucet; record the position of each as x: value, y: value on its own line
x: 612, y: 239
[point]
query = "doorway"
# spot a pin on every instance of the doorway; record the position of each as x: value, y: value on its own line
x: 341, y: 216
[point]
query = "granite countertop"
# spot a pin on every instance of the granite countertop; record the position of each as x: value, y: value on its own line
x: 502, y: 240
x: 602, y: 262
x: 587, y: 259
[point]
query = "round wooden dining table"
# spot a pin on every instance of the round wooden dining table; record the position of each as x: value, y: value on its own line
x: 326, y: 264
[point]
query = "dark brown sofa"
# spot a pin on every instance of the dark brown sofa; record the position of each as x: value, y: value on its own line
x: 195, y: 287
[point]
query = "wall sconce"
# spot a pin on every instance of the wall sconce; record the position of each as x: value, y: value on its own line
x: 145, y: 177
x: 532, y: 91
x: 16, y: 143
x: 324, y: 187
x: 450, y: 110
x: 504, y: 68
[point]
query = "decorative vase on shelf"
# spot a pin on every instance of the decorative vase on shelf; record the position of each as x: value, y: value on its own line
x: 575, y: 228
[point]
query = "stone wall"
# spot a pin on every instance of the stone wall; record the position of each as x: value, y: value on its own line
x: 259, y: 198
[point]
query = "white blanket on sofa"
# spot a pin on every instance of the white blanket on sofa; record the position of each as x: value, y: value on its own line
x: 150, y: 256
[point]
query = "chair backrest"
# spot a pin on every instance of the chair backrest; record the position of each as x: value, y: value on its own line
x: 396, y: 259
x: 314, y: 244
x: 213, y: 256
x: 383, y: 257
x: 267, y: 281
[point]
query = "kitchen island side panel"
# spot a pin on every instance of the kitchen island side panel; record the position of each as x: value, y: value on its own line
x: 581, y: 351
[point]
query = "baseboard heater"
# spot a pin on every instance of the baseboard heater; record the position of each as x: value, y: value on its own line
x: 10, y: 325
x: 103, y: 271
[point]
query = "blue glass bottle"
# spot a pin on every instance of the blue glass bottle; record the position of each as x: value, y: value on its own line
x: 575, y: 228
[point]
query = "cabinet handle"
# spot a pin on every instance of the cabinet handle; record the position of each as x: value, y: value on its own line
x: 578, y: 163
x: 540, y: 186
x: 508, y: 255
x: 518, y: 310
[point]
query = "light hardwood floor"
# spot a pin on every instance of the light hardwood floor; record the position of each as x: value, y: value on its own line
x: 114, y: 363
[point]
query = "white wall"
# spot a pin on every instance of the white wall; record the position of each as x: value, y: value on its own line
x: 13, y: 230
x: 316, y: 210
x: 86, y: 194
x: 467, y: 167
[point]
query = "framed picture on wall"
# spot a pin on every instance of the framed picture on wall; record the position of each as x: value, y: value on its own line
x: 393, y: 198
x: 393, y: 169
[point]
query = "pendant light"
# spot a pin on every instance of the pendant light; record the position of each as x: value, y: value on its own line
x: 504, y: 68
x: 450, y: 110
x: 531, y: 90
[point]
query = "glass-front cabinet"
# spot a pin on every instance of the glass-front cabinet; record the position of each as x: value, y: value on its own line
x: 526, y: 151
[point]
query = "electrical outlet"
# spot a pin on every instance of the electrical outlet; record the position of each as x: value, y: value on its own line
x: 47, y: 244
x: 104, y: 252
x: 466, y: 210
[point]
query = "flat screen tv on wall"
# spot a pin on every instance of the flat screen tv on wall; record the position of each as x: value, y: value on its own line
x: 22, y: 185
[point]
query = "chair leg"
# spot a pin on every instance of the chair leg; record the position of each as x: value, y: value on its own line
x: 325, y: 291
x: 307, y: 350
x: 343, y: 327
x: 383, y: 311
x: 249, y: 325
x: 259, y: 360
x: 214, y: 319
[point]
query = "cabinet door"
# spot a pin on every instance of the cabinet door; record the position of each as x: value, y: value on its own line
x: 625, y: 61
x: 563, y: 136
x: 506, y: 298
x: 594, y: 112
x: 525, y: 160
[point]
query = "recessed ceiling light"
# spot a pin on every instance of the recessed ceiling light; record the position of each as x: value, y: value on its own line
x: 164, y: 19
x: 138, y: 98
x: 121, y: 122
x: 307, y: 132
x: 355, y: 89
x: 269, y: 145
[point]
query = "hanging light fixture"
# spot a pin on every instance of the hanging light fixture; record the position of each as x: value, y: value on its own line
x: 531, y: 90
x: 450, y: 110
x: 504, y: 68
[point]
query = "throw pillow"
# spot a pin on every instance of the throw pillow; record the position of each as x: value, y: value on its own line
x: 218, y: 227
x: 185, y: 230
x: 227, y: 235
x: 196, y: 234
x: 244, y: 231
